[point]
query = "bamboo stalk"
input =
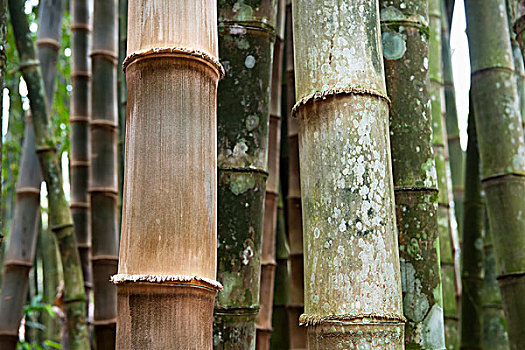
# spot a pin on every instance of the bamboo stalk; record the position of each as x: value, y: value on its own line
x: 268, y: 258
x: 79, y: 120
x: 103, y: 170
x: 495, y: 335
x: 246, y: 36
x: 405, y: 50
x: 280, y: 339
x: 447, y: 238
x: 293, y: 198
x: 456, y: 154
x: 167, y: 262
x: 472, y: 257
x: 3, y: 62
x: 495, y: 99
x: 22, y: 243
x: 352, y: 279
x: 122, y: 96
x: 59, y: 215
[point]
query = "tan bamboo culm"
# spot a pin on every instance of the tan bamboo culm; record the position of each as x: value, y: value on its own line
x: 167, y: 264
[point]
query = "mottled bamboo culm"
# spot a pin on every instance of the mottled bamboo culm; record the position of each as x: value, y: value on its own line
x: 268, y: 259
x: 472, y: 249
x: 353, y: 295
x: 496, y: 109
x: 456, y: 154
x: 167, y: 264
x: 246, y: 37
x: 60, y: 219
x: 103, y: 169
x: 3, y: 30
x: 80, y: 113
x: 512, y: 8
x: 405, y: 50
x: 293, y: 199
x: 447, y: 237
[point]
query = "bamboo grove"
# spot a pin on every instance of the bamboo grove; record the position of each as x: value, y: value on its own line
x: 262, y: 174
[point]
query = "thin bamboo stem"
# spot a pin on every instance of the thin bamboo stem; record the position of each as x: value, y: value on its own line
x: 268, y: 259
x: 79, y: 120
x: 59, y: 215
x: 167, y: 263
x: 498, y: 121
x: 405, y: 50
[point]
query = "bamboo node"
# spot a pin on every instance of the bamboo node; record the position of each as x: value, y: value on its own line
x: 175, y: 51
x: 105, y: 322
x: 28, y: 64
x: 61, y: 227
x: 103, y: 123
x: 105, y: 53
x: 323, y: 95
x: 80, y: 73
x: 28, y: 190
x: 79, y: 163
x: 48, y: 41
x: 125, y: 278
x: 45, y: 149
x: 315, y: 320
x: 80, y: 26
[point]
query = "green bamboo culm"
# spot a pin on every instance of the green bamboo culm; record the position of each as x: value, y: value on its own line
x: 496, y: 109
x: 3, y: 57
x: 246, y: 37
x: 472, y: 249
x: 352, y: 276
x: 405, y: 50
x: 456, y: 154
x: 280, y: 338
x: 122, y: 96
x: 495, y: 335
x: 60, y: 215
x: 447, y: 238
x: 80, y: 113
x: 512, y: 8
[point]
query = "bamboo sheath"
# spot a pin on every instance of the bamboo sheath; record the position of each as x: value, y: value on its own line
x: 246, y: 37
x: 456, y: 154
x: 496, y: 108
x: 22, y: 242
x: 21, y: 249
x: 293, y: 198
x: 103, y: 169
x: 405, y: 50
x: 59, y: 215
x: 167, y: 263
x: 268, y: 258
x: 447, y: 239
x: 472, y: 257
x: 353, y: 293
x: 79, y: 120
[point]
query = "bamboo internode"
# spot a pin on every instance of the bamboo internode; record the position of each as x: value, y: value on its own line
x: 167, y: 263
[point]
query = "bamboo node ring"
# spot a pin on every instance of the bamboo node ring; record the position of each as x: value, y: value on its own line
x: 125, y: 278
x: 315, y: 320
x: 180, y: 51
x: 322, y: 95
x: 48, y: 41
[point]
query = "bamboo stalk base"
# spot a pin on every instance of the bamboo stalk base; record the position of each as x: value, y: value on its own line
x: 263, y: 339
x: 234, y: 328
x: 150, y: 311
x: 297, y: 333
x: 333, y: 335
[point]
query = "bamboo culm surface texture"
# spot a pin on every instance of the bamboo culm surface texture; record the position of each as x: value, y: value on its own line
x: 472, y: 249
x: 79, y: 120
x: 268, y: 259
x: 103, y: 169
x: 405, y: 50
x: 246, y: 37
x: 60, y: 219
x: 293, y: 198
x: 496, y: 109
x: 353, y: 292
x: 167, y: 263
x: 447, y: 237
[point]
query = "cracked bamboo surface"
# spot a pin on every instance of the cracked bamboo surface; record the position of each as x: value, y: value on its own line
x: 103, y: 169
x: 79, y: 120
x: 405, y: 28
x: 268, y: 258
x: 351, y: 266
x: 167, y: 263
x: 496, y: 108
